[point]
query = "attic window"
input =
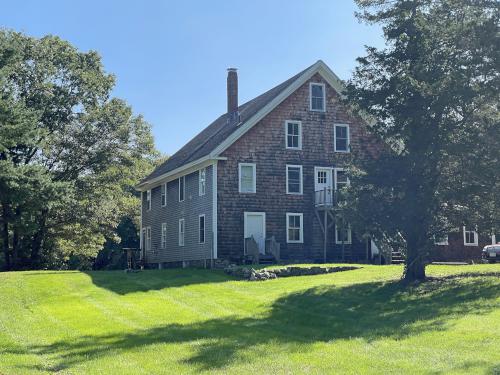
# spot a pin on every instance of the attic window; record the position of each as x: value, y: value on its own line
x: 317, y: 97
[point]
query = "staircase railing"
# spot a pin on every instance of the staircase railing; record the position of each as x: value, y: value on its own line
x: 324, y: 197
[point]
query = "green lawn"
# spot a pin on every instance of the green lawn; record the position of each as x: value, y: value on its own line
x: 186, y: 321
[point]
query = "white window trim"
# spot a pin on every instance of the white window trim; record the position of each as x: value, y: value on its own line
x: 148, y: 239
x: 299, y: 123
x: 441, y: 243
x: 202, y: 192
x: 311, y: 84
x: 349, y: 236
x: 163, y: 241
x: 301, y: 235
x: 183, y: 232
x: 301, y: 179
x: 148, y: 200
x: 335, y: 170
x: 348, y: 138
x: 183, y: 188
x: 165, y: 194
x: 254, y: 190
x: 476, y: 238
x: 204, y: 229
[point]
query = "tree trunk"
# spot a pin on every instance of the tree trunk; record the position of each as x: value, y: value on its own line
x: 414, y: 265
x: 5, y: 237
x: 15, y: 247
x: 38, y: 237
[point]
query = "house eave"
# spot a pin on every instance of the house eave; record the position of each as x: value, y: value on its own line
x: 178, y: 172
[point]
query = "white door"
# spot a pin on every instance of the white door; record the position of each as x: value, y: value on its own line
x: 323, y: 185
x: 255, y: 225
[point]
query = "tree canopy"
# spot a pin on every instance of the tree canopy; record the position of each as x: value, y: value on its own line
x: 431, y: 95
x: 70, y: 153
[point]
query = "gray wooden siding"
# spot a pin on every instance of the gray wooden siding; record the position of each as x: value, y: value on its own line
x: 189, y: 210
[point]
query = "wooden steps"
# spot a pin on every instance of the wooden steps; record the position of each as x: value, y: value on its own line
x: 397, y: 257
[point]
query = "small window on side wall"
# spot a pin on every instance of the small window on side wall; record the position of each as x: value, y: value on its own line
x: 470, y: 237
x: 202, y: 178
x: 317, y: 97
x: 148, y: 200
x: 247, y: 178
x: 148, y: 238
x: 164, y: 194
x: 182, y: 188
x: 293, y: 135
x: 182, y: 230
x: 341, y: 138
x: 163, y: 235
x: 201, y: 229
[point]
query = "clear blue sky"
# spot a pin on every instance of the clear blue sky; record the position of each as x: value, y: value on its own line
x: 170, y: 57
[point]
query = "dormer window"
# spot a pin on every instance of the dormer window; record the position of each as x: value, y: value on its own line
x: 317, y: 97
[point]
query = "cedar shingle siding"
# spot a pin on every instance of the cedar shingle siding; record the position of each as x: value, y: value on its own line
x: 264, y: 145
x: 189, y: 210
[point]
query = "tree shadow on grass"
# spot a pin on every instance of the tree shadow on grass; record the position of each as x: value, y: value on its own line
x: 123, y: 283
x: 370, y: 311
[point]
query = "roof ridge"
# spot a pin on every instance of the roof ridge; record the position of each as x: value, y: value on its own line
x: 219, y: 129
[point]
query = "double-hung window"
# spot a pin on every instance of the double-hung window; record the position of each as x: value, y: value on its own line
x: 163, y: 235
x: 247, y: 178
x: 341, y: 179
x: 470, y: 237
x: 294, y: 179
x: 202, y: 179
x: 148, y: 200
x: 201, y: 229
x: 317, y: 97
x: 341, y: 138
x: 294, y: 228
x: 182, y: 230
x: 182, y: 188
x: 148, y: 239
x: 293, y: 135
x: 164, y: 194
x: 343, y: 234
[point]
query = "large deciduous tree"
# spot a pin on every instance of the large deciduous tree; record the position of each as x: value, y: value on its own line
x: 431, y: 94
x: 69, y: 153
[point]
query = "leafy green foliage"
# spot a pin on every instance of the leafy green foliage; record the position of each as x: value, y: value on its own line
x: 432, y: 96
x: 69, y: 153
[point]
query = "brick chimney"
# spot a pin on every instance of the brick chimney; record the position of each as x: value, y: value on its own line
x: 232, y: 95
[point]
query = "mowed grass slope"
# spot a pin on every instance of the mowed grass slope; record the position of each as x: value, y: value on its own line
x: 190, y: 321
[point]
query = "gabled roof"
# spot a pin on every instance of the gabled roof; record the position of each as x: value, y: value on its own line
x: 216, y: 137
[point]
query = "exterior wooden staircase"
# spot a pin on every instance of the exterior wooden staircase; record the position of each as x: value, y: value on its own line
x: 397, y: 257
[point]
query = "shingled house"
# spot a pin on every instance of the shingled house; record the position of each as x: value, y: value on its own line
x: 266, y: 168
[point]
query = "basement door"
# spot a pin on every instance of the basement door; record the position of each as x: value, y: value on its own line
x: 255, y: 225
